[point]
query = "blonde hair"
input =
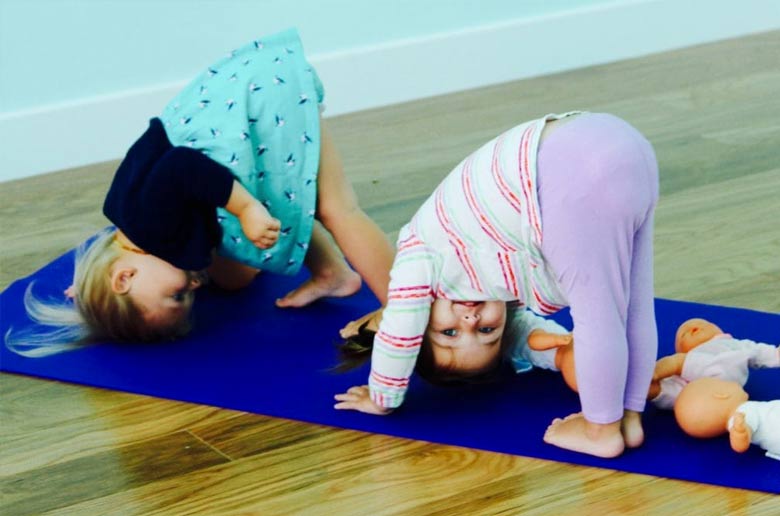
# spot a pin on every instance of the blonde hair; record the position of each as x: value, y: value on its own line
x: 96, y: 312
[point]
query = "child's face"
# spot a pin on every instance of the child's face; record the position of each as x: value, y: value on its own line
x: 466, y: 336
x: 164, y: 292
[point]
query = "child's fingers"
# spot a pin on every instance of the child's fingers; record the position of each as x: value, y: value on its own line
x: 266, y: 240
x: 275, y: 225
x: 353, y: 393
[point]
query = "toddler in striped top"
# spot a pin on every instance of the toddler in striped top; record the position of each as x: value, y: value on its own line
x: 554, y: 212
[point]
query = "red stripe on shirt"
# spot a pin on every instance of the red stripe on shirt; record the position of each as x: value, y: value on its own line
x: 479, y: 212
x: 389, y: 380
x: 457, y: 243
x: 498, y: 176
x: 527, y: 182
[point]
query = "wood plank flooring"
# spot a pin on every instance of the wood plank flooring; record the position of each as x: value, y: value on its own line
x: 713, y: 115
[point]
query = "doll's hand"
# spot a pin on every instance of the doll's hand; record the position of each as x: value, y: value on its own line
x: 259, y: 226
x: 669, y: 365
x: 540, y: 340
x: 739, y: 433
x: 358, y: 398
x: 371, y: 320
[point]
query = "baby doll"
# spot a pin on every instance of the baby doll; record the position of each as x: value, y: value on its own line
x: 539, y: 342
x: 709, y: 407
x: 702, y: 350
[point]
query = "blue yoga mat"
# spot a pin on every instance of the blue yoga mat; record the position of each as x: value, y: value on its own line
x: 247, y: 355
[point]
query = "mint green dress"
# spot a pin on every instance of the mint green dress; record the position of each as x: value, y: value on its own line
x: 256, y: 111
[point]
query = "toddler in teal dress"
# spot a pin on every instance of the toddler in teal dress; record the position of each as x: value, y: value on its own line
x: 239, y: 174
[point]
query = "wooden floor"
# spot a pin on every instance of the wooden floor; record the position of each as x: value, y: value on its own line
x: 712, y: 113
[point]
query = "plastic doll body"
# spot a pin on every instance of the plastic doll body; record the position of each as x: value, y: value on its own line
x: 705, y: 405
x: 694, y: 332
x: 541, y: 340
x: 710, y: 407
x: 702, y: 350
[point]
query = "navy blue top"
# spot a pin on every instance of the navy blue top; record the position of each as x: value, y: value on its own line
x: 164, y: 198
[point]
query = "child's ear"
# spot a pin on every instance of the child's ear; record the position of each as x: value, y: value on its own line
x: 121, y: 279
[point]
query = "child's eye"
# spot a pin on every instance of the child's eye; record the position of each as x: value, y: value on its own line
x: 450, y: 332
x: 179, y: 297
x: 487, y: 329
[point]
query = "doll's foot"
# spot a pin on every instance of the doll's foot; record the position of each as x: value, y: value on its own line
x: 332, y: 283
x: 632, y: 430
x: 575, y: 433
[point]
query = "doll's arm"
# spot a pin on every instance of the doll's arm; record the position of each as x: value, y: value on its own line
x: 541, y: 340
x: 669, y: 366
x: 258, y: 225
x: 539, y: 333
x: 739, y: 433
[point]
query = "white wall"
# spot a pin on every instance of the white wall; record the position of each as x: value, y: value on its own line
x: 70, y: 70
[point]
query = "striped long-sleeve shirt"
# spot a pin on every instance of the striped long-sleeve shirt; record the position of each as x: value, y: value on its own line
x: 476, y: 238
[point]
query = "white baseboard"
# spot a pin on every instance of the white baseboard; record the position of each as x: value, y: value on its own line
x: 55, y: 137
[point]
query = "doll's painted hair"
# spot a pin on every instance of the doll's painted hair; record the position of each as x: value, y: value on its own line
x: 356, y: 350
x: 96, y: 312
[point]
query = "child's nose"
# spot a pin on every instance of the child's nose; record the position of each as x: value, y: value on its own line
x: 471, y: 319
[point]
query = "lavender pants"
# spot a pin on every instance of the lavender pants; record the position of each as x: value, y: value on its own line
x: 598, y: 188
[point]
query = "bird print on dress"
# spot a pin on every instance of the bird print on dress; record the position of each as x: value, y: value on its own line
x: 261, y: 134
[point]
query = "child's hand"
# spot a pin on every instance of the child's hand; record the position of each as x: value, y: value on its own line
x: 371, y: 320
x: 258, y: 225
x: 358, y: 398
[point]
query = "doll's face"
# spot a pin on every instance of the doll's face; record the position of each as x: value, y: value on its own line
x: 694, y: 332
x: 465, y: 336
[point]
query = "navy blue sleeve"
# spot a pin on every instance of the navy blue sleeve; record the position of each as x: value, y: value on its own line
x: 164, y: 198
x: 188, y: 173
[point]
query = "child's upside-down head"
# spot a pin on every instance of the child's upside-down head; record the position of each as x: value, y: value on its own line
x: 463, y: 343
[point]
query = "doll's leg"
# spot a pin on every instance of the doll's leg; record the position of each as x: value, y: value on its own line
x: 330, y: 274
x: 359, y: 238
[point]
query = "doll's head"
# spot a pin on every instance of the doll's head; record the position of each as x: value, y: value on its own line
x: 462, y: 344
x: 693, y: 333
x: 705, y: 405
x: 124, y: 294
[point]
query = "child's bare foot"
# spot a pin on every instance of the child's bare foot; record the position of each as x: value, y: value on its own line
x: 575, y: 433
x: 632, y: 430
x: 332, y: 283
